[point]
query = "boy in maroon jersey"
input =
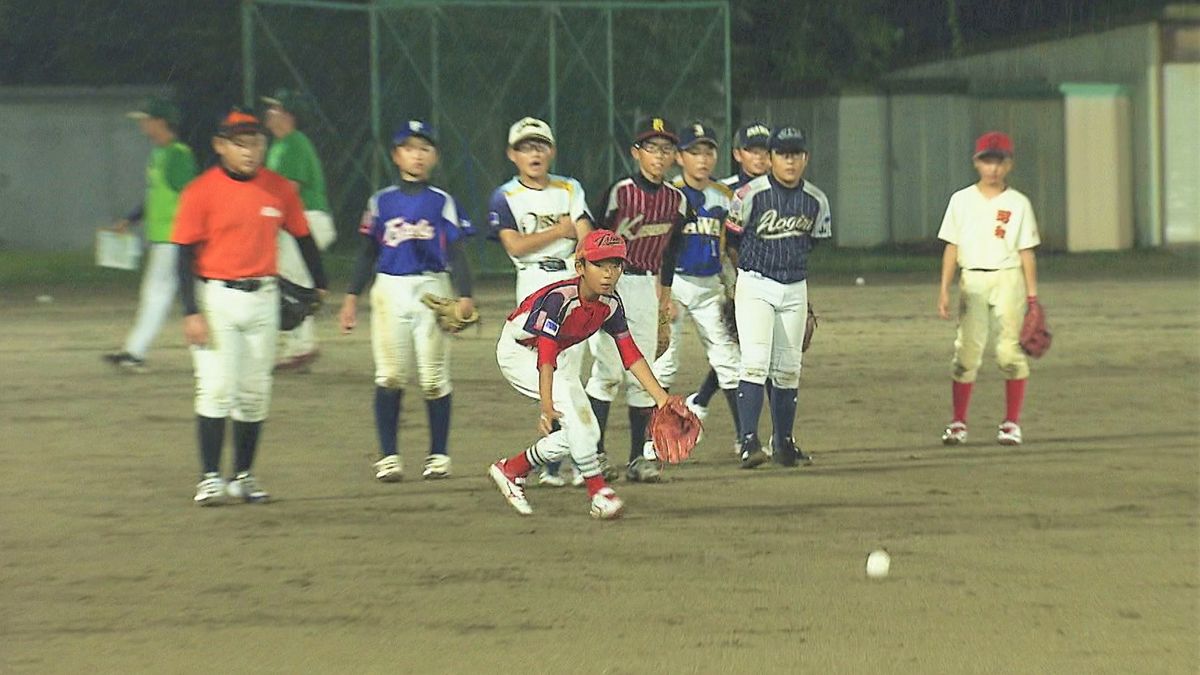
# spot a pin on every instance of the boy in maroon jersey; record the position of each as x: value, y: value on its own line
x: 539, y: 352
x: 648, y: 214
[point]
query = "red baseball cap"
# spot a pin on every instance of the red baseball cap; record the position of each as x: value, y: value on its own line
x: 994, y: 143
x: 602, y: 245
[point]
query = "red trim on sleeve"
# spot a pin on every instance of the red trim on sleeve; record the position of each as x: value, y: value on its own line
x: 630, y: 354
x: 547, y: 351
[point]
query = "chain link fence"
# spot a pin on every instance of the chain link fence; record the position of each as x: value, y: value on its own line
x: 472, y: 68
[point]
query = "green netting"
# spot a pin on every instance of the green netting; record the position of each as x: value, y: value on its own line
x: 473, y: 68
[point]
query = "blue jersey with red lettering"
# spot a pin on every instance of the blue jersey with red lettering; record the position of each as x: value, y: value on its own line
x: 414, y: 224
x: 700, y: 252
x: 778, y: 226
x: 556, y: 317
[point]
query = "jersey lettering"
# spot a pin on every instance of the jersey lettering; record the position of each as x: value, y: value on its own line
x: 397, y: 231
x: 772, y: 226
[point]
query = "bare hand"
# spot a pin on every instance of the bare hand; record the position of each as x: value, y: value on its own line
x: 466, y: 306
x: 348, y: 316
x: 566, y: 227
x: 668, y: 307
x: 195, y: 330
x: 546, y: 420
x: 944, y: 304
x: 121, y: 226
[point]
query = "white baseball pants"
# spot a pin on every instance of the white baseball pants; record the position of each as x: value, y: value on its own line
x: 159, y: 283
x: 404, y: 332
x: 770, y: 320
x: 233, y: 371
x: 989, y: 299
x: 639, y: 294
x: 701, y: 298
x: 580, y: 433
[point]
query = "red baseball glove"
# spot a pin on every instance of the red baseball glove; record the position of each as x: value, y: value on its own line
x: 1035, y: 338
x: 675, y: 431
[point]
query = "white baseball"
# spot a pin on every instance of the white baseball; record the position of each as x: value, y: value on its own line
x: 860, y: 282
x: 44, y: 299
x: 878, y: 564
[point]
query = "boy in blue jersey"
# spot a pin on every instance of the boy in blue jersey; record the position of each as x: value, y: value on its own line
x: 539, y: 218
x: 778, y: 219
x: 414, y: 242
x: 698, y: 289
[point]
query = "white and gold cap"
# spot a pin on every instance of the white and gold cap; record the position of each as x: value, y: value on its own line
x: 527, y: 128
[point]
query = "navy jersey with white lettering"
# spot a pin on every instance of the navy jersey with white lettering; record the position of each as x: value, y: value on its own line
x: 700, y: 252
x: 414, y: 225
x: 777, y: 226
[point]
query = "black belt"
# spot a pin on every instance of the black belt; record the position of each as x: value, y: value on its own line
x: 981, y: 269
x: 245, y: 285
x: 636, y: 271
x: 552, y: 264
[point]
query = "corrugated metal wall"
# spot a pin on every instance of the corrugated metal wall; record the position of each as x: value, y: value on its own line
x: 889, y: 163
x: 1127, y: 55
x: 70, y: 161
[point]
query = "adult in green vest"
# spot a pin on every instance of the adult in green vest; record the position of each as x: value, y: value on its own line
x: 293, y: 156
x: 171, y: 166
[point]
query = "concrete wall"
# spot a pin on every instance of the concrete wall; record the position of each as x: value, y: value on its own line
x: 1127, y: 56
x: 69, y: 162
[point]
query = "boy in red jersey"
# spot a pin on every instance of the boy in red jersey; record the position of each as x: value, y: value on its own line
x: 649, y: 215
x: 539, y: 352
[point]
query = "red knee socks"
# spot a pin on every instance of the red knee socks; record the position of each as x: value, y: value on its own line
x: 1014, y: 396
x: 960, y: 393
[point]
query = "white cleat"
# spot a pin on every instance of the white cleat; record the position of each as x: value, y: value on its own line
x: 210, y: 491
x: 955, y: 433
x: 244, y: 487
x: 552, y: 479
x: 1009, y: 434
x: 436, y: 466
x: 389, y: 469
x: 512, y: 489
x: 577, y: 480
x: 606, y: 505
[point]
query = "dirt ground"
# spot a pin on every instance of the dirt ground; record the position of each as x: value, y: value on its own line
x: 1077, y: 552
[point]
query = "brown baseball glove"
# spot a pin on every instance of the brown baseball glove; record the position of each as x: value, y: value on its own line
x: 675, y: 430
x: 448, y: 317
x: 810, y: 327
x: 1035, y: 337
x: 664, y: 333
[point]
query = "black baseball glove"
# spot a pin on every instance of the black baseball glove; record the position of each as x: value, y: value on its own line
x: 296, y: 303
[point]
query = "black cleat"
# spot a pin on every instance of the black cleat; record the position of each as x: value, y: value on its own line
x: 752, y: 452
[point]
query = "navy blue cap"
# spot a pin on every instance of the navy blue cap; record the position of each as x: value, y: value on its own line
x: 754, y: 134
x: 413, y: 128
x: 789, y: 139
x: 696, y: 132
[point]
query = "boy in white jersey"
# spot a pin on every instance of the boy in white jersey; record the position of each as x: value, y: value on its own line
x: 990, y: 232
x: 538, y: 217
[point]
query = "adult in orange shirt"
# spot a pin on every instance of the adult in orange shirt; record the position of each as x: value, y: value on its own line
x: 226, y: 229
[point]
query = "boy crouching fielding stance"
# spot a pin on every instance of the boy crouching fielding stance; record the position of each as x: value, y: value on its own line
x: 539, y: 352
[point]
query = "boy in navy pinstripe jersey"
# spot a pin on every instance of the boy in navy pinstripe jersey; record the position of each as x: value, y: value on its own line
x: 778, y: 219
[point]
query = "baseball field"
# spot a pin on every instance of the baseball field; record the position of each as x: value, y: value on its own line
x: 1077, y: 552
